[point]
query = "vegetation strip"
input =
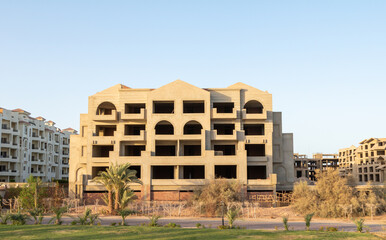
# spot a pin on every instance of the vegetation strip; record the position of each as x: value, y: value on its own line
x: 135, y: 232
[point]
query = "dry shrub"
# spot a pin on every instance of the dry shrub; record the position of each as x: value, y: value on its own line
x: 333, y: 197
x: 215, y: 192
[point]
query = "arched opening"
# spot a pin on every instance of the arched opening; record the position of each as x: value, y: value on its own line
x: 105, y: 108
x: 192, y: 127
x: 164, y: 128
x: 253, y: 106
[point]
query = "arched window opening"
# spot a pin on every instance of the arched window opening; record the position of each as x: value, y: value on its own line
x: 105, y: 108
x: 192, y: 127
x: 253, y: 107
x: 164, y: 128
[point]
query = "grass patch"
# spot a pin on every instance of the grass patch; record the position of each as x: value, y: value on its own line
x: 151, y: 233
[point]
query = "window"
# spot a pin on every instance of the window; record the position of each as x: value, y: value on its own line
x: 163, y: 107
x: 194, y: 107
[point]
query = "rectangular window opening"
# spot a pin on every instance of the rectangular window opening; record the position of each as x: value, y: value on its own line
x: 162, y: 172
x: 260, y: 172
x: 194, y: 107
x: 225, y: 171
x: 255, y: 150
x: 163, y: 107
x: 134, y: 108
x: 224, y: 107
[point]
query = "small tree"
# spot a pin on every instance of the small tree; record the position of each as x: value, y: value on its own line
x: 308, y: 219
x: 124, y: 213
x: 359, y: 224
x: 232, y: 215
x: 285, y: 222
x: 216, y: 192
x: 31, y: 195
x: 58, y: 215
x: 37, y: 215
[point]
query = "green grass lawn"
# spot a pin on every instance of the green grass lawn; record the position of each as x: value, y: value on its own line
x: 131, y: 232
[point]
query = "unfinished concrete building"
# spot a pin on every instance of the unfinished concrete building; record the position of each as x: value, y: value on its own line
x: 365, y: 163
x: 304, y: 167
x: 178, y: 137
x: 32, y: 146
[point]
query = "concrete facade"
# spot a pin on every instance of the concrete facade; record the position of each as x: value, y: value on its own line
x: 179, y: 136
x: 32, y: 146
x: 366, y: 163
x: 304, y: 167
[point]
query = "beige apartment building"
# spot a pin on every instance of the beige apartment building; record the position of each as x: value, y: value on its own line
x: 305, y: 167
x: 179, y: 136
x: 32, y: 146
x: 365, y: 163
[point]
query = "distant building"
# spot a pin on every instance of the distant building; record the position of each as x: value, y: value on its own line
x: 32, y: 146
x: 305, y: 167
x: 179, y: 136
x: 365, y: 163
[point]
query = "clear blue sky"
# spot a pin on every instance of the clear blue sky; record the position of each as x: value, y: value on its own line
x: 323, y: 61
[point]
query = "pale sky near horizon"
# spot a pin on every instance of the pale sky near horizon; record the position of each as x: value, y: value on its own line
x: 323, y: 61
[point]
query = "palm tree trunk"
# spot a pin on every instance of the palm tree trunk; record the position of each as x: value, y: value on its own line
x: 116, y: 199
x: 110, y: 197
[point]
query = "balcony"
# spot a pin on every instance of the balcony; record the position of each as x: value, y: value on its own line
x: 257, y: 159
x: 217, y: 115
x: 109, y: 117
x: 5, y: 143
x: 103, y: 140
x: 271, y: 180
x: 9, y: 173
x: 216, y: 136
x: 255, y: 116
x: 140, y: 137
x: 134, y: 116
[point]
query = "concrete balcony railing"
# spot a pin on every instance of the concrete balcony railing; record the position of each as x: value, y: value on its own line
x: 179, y: 182
x: 9, y: 173
x: 100, y: 159
x: 271, y: 180
x: 134, y: 116
x: 192, y: 136
x: 111, y: 117
x: 140, y: 137
x: 216, y: 115
x: 216, y: 136
x: 103, y: 140
x: 245, y: 115
x: 257, y: 159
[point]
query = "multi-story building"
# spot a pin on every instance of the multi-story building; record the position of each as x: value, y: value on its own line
x: 179, y: 136
x: 305, y: 167
x: 365, y: 163
x: 32, y: 146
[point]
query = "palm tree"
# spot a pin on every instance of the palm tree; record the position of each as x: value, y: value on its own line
x: 105, y: 178
x: 122, y: 177
x: 116, y: 179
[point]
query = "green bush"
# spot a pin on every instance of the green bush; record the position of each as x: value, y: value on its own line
x: 332, y: 229
x: 223, y: 227
x: 359, y: 224
x: 37, y: 214
x: 198, y: 225
x: 154, y: 221
x: 172, y: 225
x: 308, y: 219
x: 4, y: 218
x: 285, y: 223
x: 18, y: 218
